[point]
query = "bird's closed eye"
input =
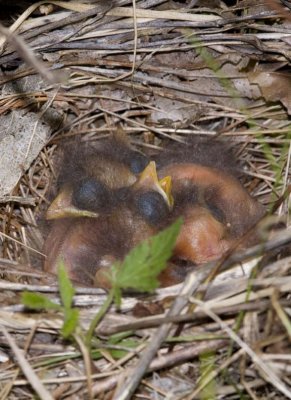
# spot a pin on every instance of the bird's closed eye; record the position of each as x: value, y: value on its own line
x: 212, y: 202
x: 90, y: 195
x: 216, y: 212
x: 151, y: 206
x: 138, y: 162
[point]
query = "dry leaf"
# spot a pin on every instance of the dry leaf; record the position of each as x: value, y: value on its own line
x: 23, y: 135
x: 274, y: 87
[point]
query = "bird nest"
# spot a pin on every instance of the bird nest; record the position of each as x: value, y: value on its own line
x: 159, y: 71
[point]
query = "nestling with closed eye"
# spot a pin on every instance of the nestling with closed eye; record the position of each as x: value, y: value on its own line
x: 216, y: 208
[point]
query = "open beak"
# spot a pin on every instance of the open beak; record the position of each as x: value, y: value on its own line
x: 166, y: 185
x: 149, y: 179
x: 62, y: 207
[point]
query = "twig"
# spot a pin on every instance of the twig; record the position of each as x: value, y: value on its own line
x: 135, y: 374
x: 26, y: 368
x: 25, y: 52
x: 27, y: 201
x: 165, y: 361
x: 263, y: 366
x: 195, y: 318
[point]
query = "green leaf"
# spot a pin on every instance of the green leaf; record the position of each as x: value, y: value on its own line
x: 207, y: 383
x: 128, y: 345
x: 144, y: 263
x: 71, y: 322
x: 96, y: 355
x: 66, y: 288
x: 118, y: 337
x: 38, y: 301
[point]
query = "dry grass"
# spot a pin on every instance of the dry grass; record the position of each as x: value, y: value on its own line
x: 212, y: 69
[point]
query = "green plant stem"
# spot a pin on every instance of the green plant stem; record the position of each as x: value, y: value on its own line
x: 98, y: 317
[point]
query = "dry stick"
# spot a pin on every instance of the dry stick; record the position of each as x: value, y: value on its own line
x: 212, y: 375
x: 271, y: 376
x: 25, y: 52
x: 281, y: 313
x: 87, y: 362
x: 30, y: 201
x: 135, y: 374
x: 113, y: 75
x: 43, y: 111
x: 165, y: 361
x: 8, y: 387
x: 277, y: 6
x: 101, y: 9
x: 194, y: 318
x: 22, y: 244
x: 26, y: 368
x: 190, y: 286
x: 136, y: 123
x: 76, y: 17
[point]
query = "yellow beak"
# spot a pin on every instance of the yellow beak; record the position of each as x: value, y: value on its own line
x: 166, y: 185
x: 149, y: 179
x: 62, y: 207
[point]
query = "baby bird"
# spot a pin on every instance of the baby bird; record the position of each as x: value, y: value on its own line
x: 106, y: 205
x: 88, y: 175
x: 216, y: 208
